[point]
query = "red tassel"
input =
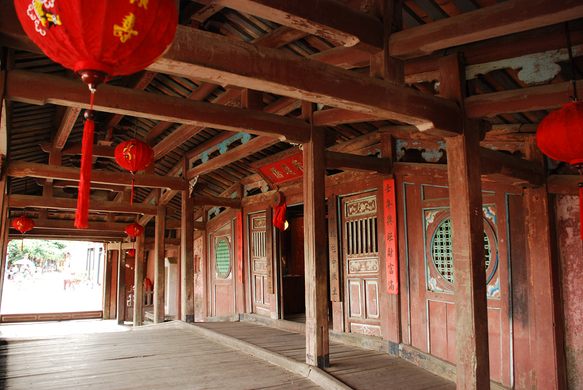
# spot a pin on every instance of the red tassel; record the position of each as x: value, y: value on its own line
x: 82, y: 216
x: 279, y: 216
x: 581, y: 209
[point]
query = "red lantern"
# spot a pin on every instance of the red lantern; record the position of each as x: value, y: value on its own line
x: 560, y: 136
x: 279, y: 210
x: 22, y: 224
x: 97, y: 40
x: 134, y: 155
x: 131, y: 252
x: 133, y: 230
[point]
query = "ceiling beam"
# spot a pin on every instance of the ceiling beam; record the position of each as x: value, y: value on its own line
x: 206, y: 200
x: 63, y: 224
x: 496, y: 164
x: 235, y: 154
x: 78, y: 235
x: 40, y: 202
x: 28, y: 169
x: 542, y: 97
x: 218, y: 59
x: 65, y: 127
x: 98, y: 150
x: 35, y: 88
x: 329, y: 19
x: 346, y: 161
x: 490, y: 22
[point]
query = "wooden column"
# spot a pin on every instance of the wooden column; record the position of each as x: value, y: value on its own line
x: 465, y: 189
x: 187, y: 259
x: 160, y: 266
x: 139, y: 281
x: 121, y: 285
x: 107, y: 285
x: 316, y: 266
x: 547, y: 324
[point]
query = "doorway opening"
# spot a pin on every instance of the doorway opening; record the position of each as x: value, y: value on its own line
x: 49, y: 280
x: 292, y: 266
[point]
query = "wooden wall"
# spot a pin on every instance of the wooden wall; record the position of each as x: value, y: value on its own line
x: 571, y: 258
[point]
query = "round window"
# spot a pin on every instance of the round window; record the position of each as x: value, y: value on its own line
x: 222, y: 258
x: 442, y: 251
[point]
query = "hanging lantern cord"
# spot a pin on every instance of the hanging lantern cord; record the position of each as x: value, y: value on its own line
x: 575, y: 96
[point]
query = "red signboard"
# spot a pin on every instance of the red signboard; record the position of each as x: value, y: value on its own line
x: 390, y: 225
x: 284, y: 170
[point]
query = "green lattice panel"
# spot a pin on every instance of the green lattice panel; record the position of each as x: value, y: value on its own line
x: 222, y: 258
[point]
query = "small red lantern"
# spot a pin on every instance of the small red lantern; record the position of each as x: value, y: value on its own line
x: 279, y: 210
x: 133, y: 230
x: 134, y: 155
x: 22, y: 224
x: 560, y: 136
x: 131, y: 252
x: 97, y: 40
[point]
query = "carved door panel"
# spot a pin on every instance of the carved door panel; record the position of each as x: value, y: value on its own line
x: 259, y: 267
x: 222, y: 272
x: 361, y: 264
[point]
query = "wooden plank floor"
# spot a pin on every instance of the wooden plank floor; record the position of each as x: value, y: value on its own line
x: 358, y: 368
x: 166, y: 356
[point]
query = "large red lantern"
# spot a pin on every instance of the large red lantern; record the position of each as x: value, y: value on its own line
x: 134, y: 155
x: 560, y: 136
x: 23, y: 224
x: 97, y: 40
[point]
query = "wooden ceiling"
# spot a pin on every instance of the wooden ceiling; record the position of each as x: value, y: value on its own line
x: 228, y: 92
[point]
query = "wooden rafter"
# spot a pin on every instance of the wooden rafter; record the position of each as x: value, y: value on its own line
x: 65, y: 127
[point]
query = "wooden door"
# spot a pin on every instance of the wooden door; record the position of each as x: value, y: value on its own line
x: 222, y: 272
x: 432, y: 284
x: 259, y: 266
x: 361, y: 264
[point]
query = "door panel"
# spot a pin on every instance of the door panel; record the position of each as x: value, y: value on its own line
x: 222, y: 271
x: 259, y: 258
x: 361, y: 263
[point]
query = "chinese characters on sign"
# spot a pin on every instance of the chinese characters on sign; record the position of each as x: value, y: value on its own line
x: 390, y: 239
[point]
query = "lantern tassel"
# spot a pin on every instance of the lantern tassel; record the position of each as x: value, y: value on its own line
x: 82, y: 215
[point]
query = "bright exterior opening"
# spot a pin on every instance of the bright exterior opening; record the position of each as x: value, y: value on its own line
x: 46, y: 276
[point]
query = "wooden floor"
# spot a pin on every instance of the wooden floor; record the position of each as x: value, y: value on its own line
x: 358, y: 368
x: 167, y: 356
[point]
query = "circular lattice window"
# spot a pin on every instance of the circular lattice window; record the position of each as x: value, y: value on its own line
x: 442, y: 251
x: 222, y: 258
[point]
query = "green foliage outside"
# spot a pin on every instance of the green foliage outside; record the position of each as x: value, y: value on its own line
x: 38, y: 251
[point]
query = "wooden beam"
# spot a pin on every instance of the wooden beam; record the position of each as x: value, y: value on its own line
x: 360, y: 163
x: 60, y: 224
x: 465, y: 198
x: 338, y: 116
x: 490, y: 22
x: 159, y: 265
x: 187, y: 259
x: 329, y: 19
x: 31, y: 201
x: 316, y: 256
x: 215, y: 58
x: 65, y: 127
x: 36, y: 88
x: 495, y: 164
x: 207, y: 200
x: 98, y: 150
x: 94, y: 186
x: 78, y: 235
x: 542, y: 97
x: 235, y: 154
x: 564, y: 184
x: 28, y: 169
x: 139, y: 281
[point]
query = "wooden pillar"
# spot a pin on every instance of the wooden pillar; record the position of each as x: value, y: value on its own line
x: 465, y: 189
x: 121, y: 285
x: 316, y: 261
x: 187, y: 259
x: 547, y: 324
x: 107, y: 285
x: 160, y: 266
x: 139, y: 281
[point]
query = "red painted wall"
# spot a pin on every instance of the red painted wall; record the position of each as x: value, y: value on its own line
x: 571, y: 254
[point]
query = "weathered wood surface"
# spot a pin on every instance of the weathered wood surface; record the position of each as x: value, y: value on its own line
x: 167, y: 356
x: 358, y: 368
